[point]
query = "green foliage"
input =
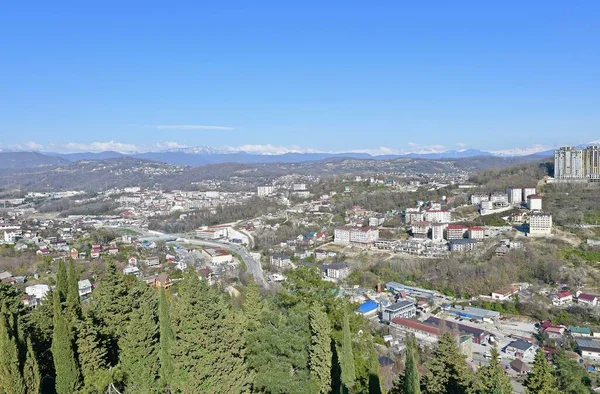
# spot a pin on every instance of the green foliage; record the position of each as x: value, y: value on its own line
x: 448, y: 372
x: 347, y: 357
x: 540, y: 379
x: 65, y: 364
x: 62, y: 285
x: 92, y: 354
x: 166, y: 340
x: 571, y: 377
x: 31, y: 371
x: 73, y: 290
x: 492, y: 379
x: 320, y: 349
x: 411, y: 380
x: 11, y: 378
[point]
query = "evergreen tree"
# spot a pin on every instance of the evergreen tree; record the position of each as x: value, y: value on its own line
x: 73, y: 291
x: 347, y: 358
x: 65, y: 364
x: 209, y: 346
x: 412, y: 384
x: 320, y: 349
x: 491, y: 379
x: 540, y: 379
x: 139, y: 358
x: 252, y: 305
x: 571, y: 377
x: 31, y: 371
x: 374, y: 378
x: 11, y: 378
x: 62, y: 285
x: 448, y: 371
x: 166, y: 341
x: 92, y: 355
x: 41, y: 330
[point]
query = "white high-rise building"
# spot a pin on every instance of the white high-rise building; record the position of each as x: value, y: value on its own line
x: 264, y: 191
x: 540, y: 223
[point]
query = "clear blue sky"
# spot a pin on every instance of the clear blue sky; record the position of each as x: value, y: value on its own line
x: 337, y: 76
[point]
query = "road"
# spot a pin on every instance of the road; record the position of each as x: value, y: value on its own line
x: 252, y: 266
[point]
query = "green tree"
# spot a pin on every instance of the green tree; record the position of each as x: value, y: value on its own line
x: 62, y: 285
x: 138, y: 356
x: 411, y: 380
x: 540, y: 379
x: 448, y: 371
x: 31, y: 370
x: 65, y: 364
x: 491, y: 379
x: 571, y: 377
x: 166, y: 340
x: 92, y: 354
x: 73, y: 291
x: 320, y: 349
x: 347, y: 358
x: 11, y: 378
x: 252, y: 305
x: 208, y: 350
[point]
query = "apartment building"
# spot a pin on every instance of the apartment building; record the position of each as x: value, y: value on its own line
x: 456, y: 231
x: 574, y: 164
x: 540, y: 223
x: 361, y: 236
x: 420, y: 229
x: 515, y: 195
x: 438, y: 216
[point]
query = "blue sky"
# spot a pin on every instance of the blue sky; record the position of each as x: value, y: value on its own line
x: 405, y: 76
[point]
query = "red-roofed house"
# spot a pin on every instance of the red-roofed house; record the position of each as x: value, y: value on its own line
x: 456, y: 231
x: 562, y: 298
x: 476, y: 232
x: 505, y: 293
x: 555, y: 332
x: 587, y: 299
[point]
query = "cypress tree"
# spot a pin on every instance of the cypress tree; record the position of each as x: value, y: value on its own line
x: 138, y: 358
x: 412, y: 384
x: 491, y: 379
x: 252, y: 305
x: 166, y: 341
x: 209, y: 347
x: 320, y: 349
x: 540, y: 379
x: 347, y: 358
x: 571, y: 377
x: 31, y: 371
x: 65, y: 364
x: 62, y: 285
x: 92, y: 354
x: 448, y: 371
x: 73, y: 290
x: 11, y: 378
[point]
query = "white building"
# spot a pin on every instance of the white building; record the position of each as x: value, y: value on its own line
x: 362, y: 236
x: 438, y: 216
x: 405, y: 309
x: 499, y: 198
x: 38, y: 291
x: 217, y: 256
x: 412, y: 215
x: 534, y: 202
x: 338, y: 271
x: 264, y: 191
x: 135, y: 271
x: 515, y: 195
x: 528, y: 191
x: 437, y: 231
x: 478, y: 198
x: 299, y: 187
x: 540, y: 223
x: 85, y: 287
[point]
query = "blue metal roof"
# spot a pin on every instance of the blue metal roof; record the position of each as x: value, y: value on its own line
x: 367, y: 306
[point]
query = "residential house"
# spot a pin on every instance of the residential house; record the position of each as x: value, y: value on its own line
x: 38, y: 291
x: 95, y: 253
x: 217, y: 256
x: 85, y: 287
x: 520, y: 349
x: 505, y: 293
x: 463, y: 245
x: 581, y: 332
x: 135, y: 271
x: 520, y: 367
x: 152, y: 262
x: 588, y: 348
x: 562, y: 298
x: 163, y: 280
x: 586, y: 299
x: 555, y: 333
x: 338, y: 270
x: 207, y: 274
x: 132, y: 261
x: 280, y: 260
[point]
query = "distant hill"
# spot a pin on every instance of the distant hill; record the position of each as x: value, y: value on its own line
x: 28, y: 159
x: 87, y: 155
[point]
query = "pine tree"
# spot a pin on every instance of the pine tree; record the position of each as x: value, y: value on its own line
x: 320, y: 349
x: 491, y: 379
x: 374, y: 378
x: 62, y: 285
x: 31, y: 371
x: 347, y: 358
x: 92, y: 355
x: 252, y: 305
x: 139, y: 358
x: 448, y: 371
x: 73, y: 291
x: 412, y: 384
x: 571, y: 377
x: 166, y: 341
x: 11, y: 378
x: 65, y: 364
x: 540, y: 379
x: 209, y: 346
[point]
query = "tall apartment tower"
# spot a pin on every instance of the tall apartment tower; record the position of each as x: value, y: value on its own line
x: 571, y: 163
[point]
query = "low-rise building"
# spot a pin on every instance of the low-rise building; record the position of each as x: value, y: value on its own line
x: 586, y: 299
x: 463, y: 245
x: 540, y: 223
x: 38, y: 291
x: 415, y: 327
x: 338, y: 270
x: 85, y: 287
x: 505, y: 293
x: 135, y: 271
x: 217, y: 256
x: 562, y: 298
x: 360, y: 236
x: 478, y: 335
x: 420, y: 229
x: 534, y: 202
x: 405, y: 309
x: 456, y: 231
x: 280, y: 260
x: 520, y: 349
x: 588, y: 348
x: 477, y: 233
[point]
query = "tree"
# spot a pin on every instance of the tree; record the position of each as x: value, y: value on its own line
x: 491, y: 379
x: 92, y: 354
x: 570, y: 376
x: 412, y: 384
x: 320, y: 349
x: 11, y: 378
x: 31, y: 371
x: 448, y: 371
x: 347, y: 358
x: 73, y: 290
x: 252, y: 304
x: 166, y: 340
x: 65, y: 364
x: 61, y: 281
x: 139, y: 358
x: 540, y: 379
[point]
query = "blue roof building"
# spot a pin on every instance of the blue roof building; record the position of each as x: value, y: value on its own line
x: 367, y: 308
